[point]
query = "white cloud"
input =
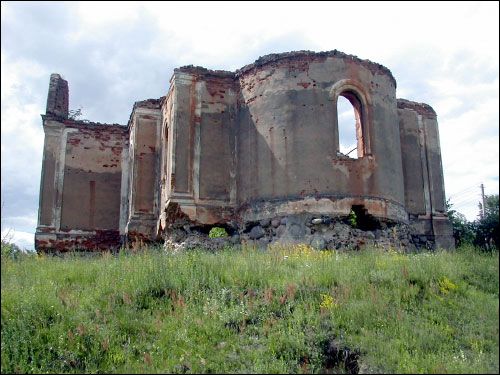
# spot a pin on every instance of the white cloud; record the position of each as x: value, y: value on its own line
x: 447, y: 105
x: 14, y: 72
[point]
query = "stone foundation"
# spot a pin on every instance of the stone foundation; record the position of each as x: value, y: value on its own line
x: 97, y: 240
x: 320, y: 232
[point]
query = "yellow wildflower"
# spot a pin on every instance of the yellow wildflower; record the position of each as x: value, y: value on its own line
x: 327, y: 301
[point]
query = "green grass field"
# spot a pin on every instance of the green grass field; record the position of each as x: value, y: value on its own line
x: 287, y: 310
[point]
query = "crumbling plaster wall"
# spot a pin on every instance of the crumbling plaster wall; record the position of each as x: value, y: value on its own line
x: 272, y: 144
x: 263, y: 141
x: 80, y: 196
x: 142, y: 187
x: 92, y: 177
x: 200, y: 119
x: 423, y: 172
x: 288, y: 138
x: 80, y: 201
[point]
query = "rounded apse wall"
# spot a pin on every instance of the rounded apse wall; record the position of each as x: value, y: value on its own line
x: 288, y: 153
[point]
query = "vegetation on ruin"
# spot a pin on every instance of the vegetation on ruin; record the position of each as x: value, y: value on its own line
x: 286, y: 310
x: 217, y: 232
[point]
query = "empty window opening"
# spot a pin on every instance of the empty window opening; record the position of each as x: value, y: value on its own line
x: 349, y: 126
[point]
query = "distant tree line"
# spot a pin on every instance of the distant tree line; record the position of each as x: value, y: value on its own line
x: 10, y: 249
x: 483, y: 232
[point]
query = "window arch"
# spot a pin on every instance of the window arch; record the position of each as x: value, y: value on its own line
x: 349, y: 123
x: 353, y: 142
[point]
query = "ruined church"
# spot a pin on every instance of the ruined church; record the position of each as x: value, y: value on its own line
x: 255, y: 151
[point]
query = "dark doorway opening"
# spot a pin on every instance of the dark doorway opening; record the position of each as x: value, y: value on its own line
x: 363, y: 220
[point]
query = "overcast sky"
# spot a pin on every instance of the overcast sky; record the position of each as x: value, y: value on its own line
x: 113, y: 54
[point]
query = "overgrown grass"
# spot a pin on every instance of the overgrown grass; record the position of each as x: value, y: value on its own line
x: 287, y: 310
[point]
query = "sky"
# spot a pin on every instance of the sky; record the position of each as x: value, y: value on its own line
x: 113, y: 54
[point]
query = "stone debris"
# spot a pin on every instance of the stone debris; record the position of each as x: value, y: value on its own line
x: 336, y: 235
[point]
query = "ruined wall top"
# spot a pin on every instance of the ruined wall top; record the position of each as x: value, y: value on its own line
x: 421, y: 108
x: 58, y: 107
x: 288, y: 57
x: 154, y: 104
x: 149, y: 103
x: 316, y: 56
x: 85, y: 124
x: 199, y: 70
x: 58, y: 97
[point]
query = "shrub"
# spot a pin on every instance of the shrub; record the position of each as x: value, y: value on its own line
x: 10, y: 250
x: 353, y: 219
x: 217, y: 232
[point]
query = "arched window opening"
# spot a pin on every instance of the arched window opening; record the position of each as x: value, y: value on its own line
x: 349, y: 120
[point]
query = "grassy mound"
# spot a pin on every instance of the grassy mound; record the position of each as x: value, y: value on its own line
x: 287, y: 310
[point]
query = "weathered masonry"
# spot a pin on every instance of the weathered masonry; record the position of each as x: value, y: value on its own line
x: 255, y: 151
